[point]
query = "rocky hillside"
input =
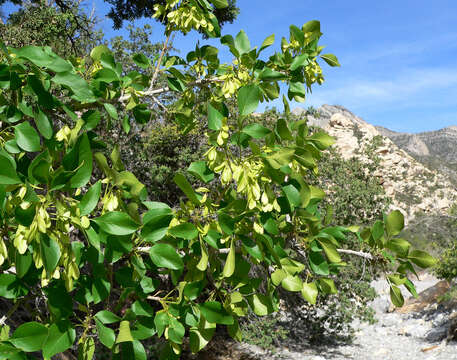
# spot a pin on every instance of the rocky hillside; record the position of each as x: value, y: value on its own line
x: 412, y: 186
x: 437, y: 149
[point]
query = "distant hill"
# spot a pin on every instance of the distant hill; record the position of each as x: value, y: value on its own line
x: 416, y: 170
x: 436, y: 149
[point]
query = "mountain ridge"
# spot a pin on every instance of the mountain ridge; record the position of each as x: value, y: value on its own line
x: 414, y: 186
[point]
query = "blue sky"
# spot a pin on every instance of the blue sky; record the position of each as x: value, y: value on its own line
x: 399, y: 58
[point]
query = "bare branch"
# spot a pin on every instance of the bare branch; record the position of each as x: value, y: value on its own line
x: 159, y: 62
x: 153, y: 92
x: 362, y: 254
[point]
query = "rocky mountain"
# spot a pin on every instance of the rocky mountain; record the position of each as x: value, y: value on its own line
x: 436, y: 149
x: 414, y: 187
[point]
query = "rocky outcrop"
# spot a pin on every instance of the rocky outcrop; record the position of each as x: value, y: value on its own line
x: 413, y: 187
x: 437, y: 149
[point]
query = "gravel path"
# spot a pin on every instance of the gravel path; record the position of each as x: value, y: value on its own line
x: 396, y: 336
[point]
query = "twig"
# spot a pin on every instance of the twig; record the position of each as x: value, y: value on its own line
x: 153, y: 92
x: 362, y: 254
x: 159, y: 62
x: 157, y: 101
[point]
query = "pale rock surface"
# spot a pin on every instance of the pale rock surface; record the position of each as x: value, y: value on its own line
x: 412, y: 187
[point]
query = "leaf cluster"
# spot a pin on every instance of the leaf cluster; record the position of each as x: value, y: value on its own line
x: 116, y: 268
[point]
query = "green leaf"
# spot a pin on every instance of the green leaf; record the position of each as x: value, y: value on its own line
x: 186, y: 188
x: 8, y: 175
x: 397, y: 280
x: 277, y: 276
x: 111, y: 110
x: 30, y: 336
x: 124, y: 334
x: 229, y: 267
x: 292, y: 194
x: 330, y: 250
x: 10, y: 288
x: 186, y: 231
x: 176, y: 331
x: 61, y: 337
x: 126, y: 124
x: 322, y: 140
x: 318, y: 264
x: 11, y: 147
x: 242, y: 43
x: 142, y: 61
x: 86, y: 349
x: 105, y: 334
x: 220, y: 4
x: 201, y: 336
x: 165, y: 255
x: 107, y: 317
x: 45, y: 99
x: 327, y: 286
x: 214, y: 118
x: 248, y: 99
x: 312, y: 26
x: 422, y: 259
x: 399, y: 246
x: 142, y: 308
x: 292, y: 283
x: 395, y: 223
x: 330, y: 59
x: 214, y: 312
x: 23, y: 263
x: 396, y: 296
x: 26, y: 137
x: 267, y: 42
x: 297, y: 88
x: 116, y: 223
x: 283, y: 130
x: 44, y: 57
x: 142, y: 114
x: 298, y: 61
x: 297, y: 34
x: 256, y: 131
x: 98, y: 51
x: 90, y: 199
x: 260, y: 304
x: 75, y: 83
x: 309, y: 292
x: 201, y: 171
x: 50, y: 253
x: 268, y: 74
x: 9, y: 352
x: 161, y: 321
x: 83, y: 174
x: 156, y: 221
x: 91, y: 119
x: 43, y: 125
x: 411, y: 288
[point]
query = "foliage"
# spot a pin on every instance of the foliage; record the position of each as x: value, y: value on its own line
x: 265, y: 332
x: 114, y: 269
x: 129, y: 10
x: 169, y: 151
x: 69, y: 32
x: 446, y: 268
x: 353, y: 194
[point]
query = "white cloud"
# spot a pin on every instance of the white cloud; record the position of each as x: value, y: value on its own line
x: 405, y: 89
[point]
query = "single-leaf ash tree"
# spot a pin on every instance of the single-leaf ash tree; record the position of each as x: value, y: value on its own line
x: 95, y: 264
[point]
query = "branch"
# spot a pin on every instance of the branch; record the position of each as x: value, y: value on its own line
x: 153, y: 92
x: 159, y: 62
x: 362, y: 254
